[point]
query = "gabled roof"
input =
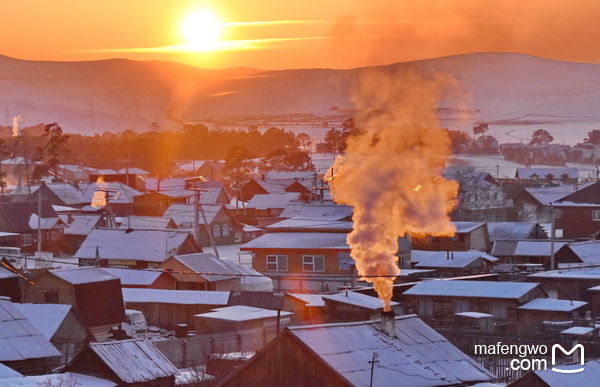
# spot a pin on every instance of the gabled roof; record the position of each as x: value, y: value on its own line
x: 134, y: 277
x: 239, y: 313
x: 465, y: 227
x: 132, y: 171
x: 549, y: 304
x: 137, y: 245
x: 462, y: 288
x: 317, y: 211
x: 588, y: 251
x: 184, y: 213
x: 309, y: 224
x: 557, y: 379
x: 528, y: 248
x: 418, y: 356
x: 19, y: 213
x: 19, y: 339
x: 45, y: 317
x: 510, y: 230
x: 62, y: 379
x: 299, y: 240
x: 455, y: 259
x: 570, y: 273
x: 146, y: 222
x: 134, y: 361
x: 557, y: 172
x: 546, y: 195
x: 64, y: 191
x: 83, y: 275
x: 272, y: 200
x: 81, y: 224
x: 179, y: 297
x: 588, y: 195
x: 358, y: 299
x: 123, y: 195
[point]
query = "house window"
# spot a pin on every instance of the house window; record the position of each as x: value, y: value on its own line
x: 499, y: 311
x: 26, y: 240
x: 461, y: 306
x: 313, y: 263
x: 226, y: 230
x: 425, y: 308
x: 596, y: 215
x: 277, y: 263
x: 216, y: 230
x: 238, y: 237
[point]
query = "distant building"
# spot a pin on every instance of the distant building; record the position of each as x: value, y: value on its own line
x: 581, y: 212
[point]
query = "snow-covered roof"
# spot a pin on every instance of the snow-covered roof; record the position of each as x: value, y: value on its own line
x: 547, y: 195
x: 463, y: 227
x: 65, y: 191
x: 83, y: 275
x: 463, y: 288
x: 474, y: 315
x: 45, y: 317
x: 455, y: 259
x: 134, y: 361
x: 80, y: 224
x: 144, y: 222
x: 588, y: 251
x: 509, y: 230
x: 19, y: 339
x: 5, y: 273
x: 137, y: 245
x: 299, y: 240
x: 418, y: 356
x: 45, y: 223
x: 527, y: 248
x: 132, y: 171
x: 295, y: 223
x: 6, y: 372
x: 317, y: 211
x: 557, y: 172
x: 123, y: 194
x: 358, y: 299
x: 239, y: 313
x: 272, y: 200
x: 558, y: 379
x: 575, y: 273
x: 134, y: 277
x: 549, y: 304
x: 180, y: 297
x: 577, y: 331
x: 314, y: 300
x: 184, y: 213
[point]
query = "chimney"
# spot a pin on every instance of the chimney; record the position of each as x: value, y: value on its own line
x: 388, y: 323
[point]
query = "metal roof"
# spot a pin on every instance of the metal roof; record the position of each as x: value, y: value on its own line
x: 19, y: 339
x: 549, y: 304
x: 134, y: 277
x: 418, y: 356
x: 509, y: 230
x: 239, y: 313
x: 272, y: 200
x: 463, y: 288
x: 358, y: 299
x: 299, y: 240
x: 134, y: 361
x: 45, y: 317
x: 527, y: 248
x: 456, y: 259
x: 83, y: 275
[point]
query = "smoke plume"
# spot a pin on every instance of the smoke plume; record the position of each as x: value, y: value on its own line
x: 15, y: 126
x: 391, y: 172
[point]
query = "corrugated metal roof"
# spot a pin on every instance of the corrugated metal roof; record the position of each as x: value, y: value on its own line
x: 459, y: 288
x: 557, y: 172
x: 418, y: 356
x: 45, y: 317
x: 134, y: 361
x: 19, y: 339
x: 313, y: 224
x: 299, y: 240
x: 579, y: 272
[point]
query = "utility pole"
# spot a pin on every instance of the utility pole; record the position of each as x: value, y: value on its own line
x: 552, y: 232
x: 198, y: 210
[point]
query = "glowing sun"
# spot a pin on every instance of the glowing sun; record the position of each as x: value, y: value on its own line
x: 202, y: 29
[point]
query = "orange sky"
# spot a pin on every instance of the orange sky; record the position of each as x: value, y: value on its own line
x: 309, y: 33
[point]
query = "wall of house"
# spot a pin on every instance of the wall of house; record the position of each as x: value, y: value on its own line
x: 577, y: 222
x: 70, y: 338
x: 44, y: 289
x: 167, y: 316
x: 567, y: 288
x: 595, y: 303
x: 531, y: 320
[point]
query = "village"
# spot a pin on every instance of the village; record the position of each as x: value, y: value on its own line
x: 114, y: 277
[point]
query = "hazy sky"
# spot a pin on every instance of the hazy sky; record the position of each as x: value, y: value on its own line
x: 272, y: 34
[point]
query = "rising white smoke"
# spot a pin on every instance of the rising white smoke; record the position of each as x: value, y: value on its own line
x: 15, y: 126
x: 391, y: 173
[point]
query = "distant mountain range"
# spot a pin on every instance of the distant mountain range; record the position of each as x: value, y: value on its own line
x: 114, y: 95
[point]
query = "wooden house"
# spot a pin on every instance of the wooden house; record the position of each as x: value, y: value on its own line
x: 241, y: 319
x: 536, y: 177
x: 303, y: 261
x: 139, y: 249
x: 339, y: 355
x: 568, y: 283
x: 533, y: 204
x: 437, y: 302
x: 9, y: 282
x: 264, y: 209
x: 352, y: 306
x: 22, y: 218
x: 22, y: 347
x: 94, y: 293
x: 581, y: 212
x: 469, y: 236
x: 535, y: 312
x: 78, y: 227
x: 141, y: 279
x: 61, y: 325
x: 126, y: 363
x: 169, y: 308
x: 156, y: 203
x: 58, y: 194
x: 514, y: 252
x: 586, y: 253
x: 594, y: 293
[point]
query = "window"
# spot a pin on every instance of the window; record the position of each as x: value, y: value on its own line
x: 499, y: 311
x: 425, y: 308
x: 461, y: 306
x: 26, y: 240
x: 216, y: 230
x: 238, y: 237
x: 226, y: 230
x: 313, y: 263
x: 596, y: 215
x: 277, y: 263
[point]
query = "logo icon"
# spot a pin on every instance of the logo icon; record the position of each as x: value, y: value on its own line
x: 567, y: 353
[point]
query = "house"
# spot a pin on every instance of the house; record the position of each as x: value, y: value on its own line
x: 533, y: 204
x: 514, y: 252
x: 94, y: 293
x: 536, y: 177
x: 78, y: 227
x: 73, y: 173
x: 468, y: 236
x: 141, y: 249
x: 314, y: 217
x: 127, y: 363
x: 61, y: 325
x: 551, y: 378
x: 568, y: 283
x: 22, y: 347
x: 131, y: 222
x: 581, y: 212
x: 9, y: 282
x: 409, y: 354
x: 515, y: 231
x: 22, y: 218
x: 58, y: 194
x: 120, y: 195
x: 303, y: 261
x: 438, y: 301
x: 213, y: 217
x: 156, y: 203
x: 262, y: 209
x: 151, y: 279
x: 586, y: 253
x: 242, y: 319
x: 458, y: 263
x: 535, y: 312
x: 168, y: 308
x: 353, y: 306
x: 204, y: 271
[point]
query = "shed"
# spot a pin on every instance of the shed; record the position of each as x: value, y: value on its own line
x: 242, y: 319
x: 535, y: 312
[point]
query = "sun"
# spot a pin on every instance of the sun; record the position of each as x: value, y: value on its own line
x: 202, y: 29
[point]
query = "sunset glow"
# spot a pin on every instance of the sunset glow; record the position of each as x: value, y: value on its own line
x: 202, y: 30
